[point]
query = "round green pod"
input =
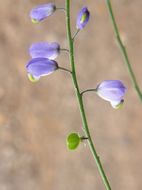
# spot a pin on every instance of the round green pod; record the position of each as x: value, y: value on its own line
x: 73, y: 141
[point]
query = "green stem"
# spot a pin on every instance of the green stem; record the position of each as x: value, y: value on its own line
x: 60, y: 8
x: 88, y: 90
x: 83, y: 138
x: 78, y: 30
x: 64, y: 49
x: 123, y: 50
x: 64, y: 69
x: 80, y: 99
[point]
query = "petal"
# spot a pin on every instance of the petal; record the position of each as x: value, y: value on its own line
x: 38, y: 67
x: 117, y: 104
x: 111, y: 90
x: 45, y: 50
x: 32, y: 78
x: 82, y: 18
x: 41, y: 12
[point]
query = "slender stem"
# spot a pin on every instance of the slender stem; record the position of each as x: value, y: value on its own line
x: 83, y: 138
x: 64, y: 69
x: 88, y: 90
x: 64, y: 49
x: 60, y: 8
x: 77, y: 31
x: 80, y: 99
x: 123, y: 50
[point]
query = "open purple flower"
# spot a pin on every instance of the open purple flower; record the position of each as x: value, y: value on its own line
x: 39, y: 67
x: 41, y: 12
x: 112, y: 91
x: 44, y: 49
x: 82, y: 18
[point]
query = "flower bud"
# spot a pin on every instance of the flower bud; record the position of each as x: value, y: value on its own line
x: 73, y: 141
x: 44, y: 49
x: 82, y: 18
x: 112, y: 91
x: 41, y: 12
x: 38, y: 67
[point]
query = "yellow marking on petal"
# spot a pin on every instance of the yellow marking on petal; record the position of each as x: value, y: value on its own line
x: 119, y: 105
x: 34, y: 21
x: 31, y: 78
x: 84, y: 16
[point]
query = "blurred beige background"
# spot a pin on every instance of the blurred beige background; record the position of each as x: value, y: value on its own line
x: 36, y: 118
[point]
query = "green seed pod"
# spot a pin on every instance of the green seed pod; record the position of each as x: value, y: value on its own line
x: 73, y: 141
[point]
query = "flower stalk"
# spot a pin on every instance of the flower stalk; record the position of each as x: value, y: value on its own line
x: 64, y: 69
x: 76, y: 33
x: 123, y: 50
x: 80, y: 98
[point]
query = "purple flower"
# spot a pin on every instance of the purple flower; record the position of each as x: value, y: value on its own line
x: 41, y: 12
x: 82, y: 18
x: 112, y: 91
x: 44, y: 49
x: 39, y: 67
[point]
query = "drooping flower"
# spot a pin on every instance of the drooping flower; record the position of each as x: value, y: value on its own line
x: 41, y: 12
x: 112, y: 91
x: 39, y: 67
x: 44, y: 49
x: 82, y: 18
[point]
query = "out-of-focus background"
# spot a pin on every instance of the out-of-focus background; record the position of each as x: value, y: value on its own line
x: 36, y: 118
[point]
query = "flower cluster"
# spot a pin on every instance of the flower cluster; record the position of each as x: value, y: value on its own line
x: 44, y: 53
x: 42, y: 63
x: 43, y: 56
